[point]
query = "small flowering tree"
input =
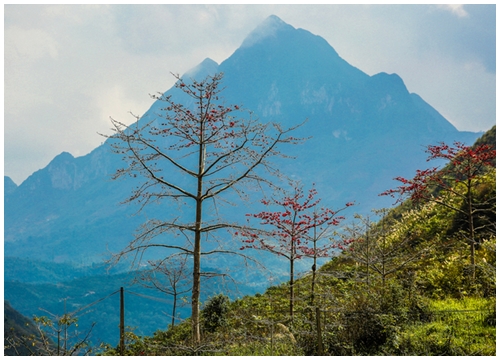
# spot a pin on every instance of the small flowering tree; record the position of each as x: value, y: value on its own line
x: 454, y: 185
x: 298, y: 225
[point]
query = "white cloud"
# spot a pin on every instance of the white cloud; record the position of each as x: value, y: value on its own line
x: 29, y: 44
x: 455, y: 9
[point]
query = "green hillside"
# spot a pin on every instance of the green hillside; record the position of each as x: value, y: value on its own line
x: 407, y: 284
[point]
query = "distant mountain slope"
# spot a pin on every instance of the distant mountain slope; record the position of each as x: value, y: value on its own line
x: 39, y: 272
x: 72, y: 295
x: 17, y: 330
x: 94, y: 299
x: 8, y: 185
x: 365, y: 131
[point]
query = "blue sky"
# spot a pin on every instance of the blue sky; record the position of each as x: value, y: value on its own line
x: 68, y: 68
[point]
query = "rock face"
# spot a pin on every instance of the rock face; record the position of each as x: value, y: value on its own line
x: 364, y: 130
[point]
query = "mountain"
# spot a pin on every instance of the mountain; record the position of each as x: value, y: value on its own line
x: 16, y: 329
x: 92, y: 297
x: 369, y: 128
x: 364, y: 130
x: 8, y: 185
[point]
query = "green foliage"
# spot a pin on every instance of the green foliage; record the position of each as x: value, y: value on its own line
x: 446, y: 271
x: 488, y: 138
x: 371, y: 320
x: 214, y: 313
x: 454, y: 330
x: 357, y: 319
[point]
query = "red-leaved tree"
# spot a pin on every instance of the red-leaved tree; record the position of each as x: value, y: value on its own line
x: 454, y: 185
x: 296, y: 230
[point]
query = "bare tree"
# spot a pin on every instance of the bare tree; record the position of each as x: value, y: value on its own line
x: 52, y: 336
x: 169, y: 276
x: 196, y: 154
x: 384, y: 248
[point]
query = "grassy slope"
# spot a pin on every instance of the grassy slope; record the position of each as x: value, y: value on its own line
x: 435, y: 311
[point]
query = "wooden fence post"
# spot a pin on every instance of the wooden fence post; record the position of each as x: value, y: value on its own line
x: 122, y: 323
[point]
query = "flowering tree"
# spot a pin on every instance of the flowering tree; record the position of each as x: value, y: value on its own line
x: 193, y: 152
x: 300, y: 223
x: 454, y: 185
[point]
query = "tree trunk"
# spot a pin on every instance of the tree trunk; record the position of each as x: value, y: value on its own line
x: 319, y: 336
x: 367, y: 257
x: 195, y: 299
x: 291, y: 288
x: 174, y: 308
x: 471, y: 230
x: 195, y: 306
x: 313, y: 281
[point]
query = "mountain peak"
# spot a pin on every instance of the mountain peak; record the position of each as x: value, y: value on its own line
x: 9, y: 185
x: 64, y: 156
x: 274, y: 20
x: 269, y: 27
x: 205, y: 68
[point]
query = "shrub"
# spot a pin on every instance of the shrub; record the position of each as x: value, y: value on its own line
x: 214, y: 313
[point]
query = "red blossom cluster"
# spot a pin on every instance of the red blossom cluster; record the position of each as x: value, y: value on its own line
x: 293, y: 229
x: 209, y: 123
x: 465, y: 164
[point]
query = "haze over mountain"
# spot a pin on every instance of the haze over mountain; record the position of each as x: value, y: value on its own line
x: 364, y: 130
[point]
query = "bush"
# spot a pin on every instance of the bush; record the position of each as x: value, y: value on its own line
x: 214, y: 313
x: 370, y: 324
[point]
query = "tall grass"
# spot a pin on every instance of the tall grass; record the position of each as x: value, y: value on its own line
x: 453, y: 327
